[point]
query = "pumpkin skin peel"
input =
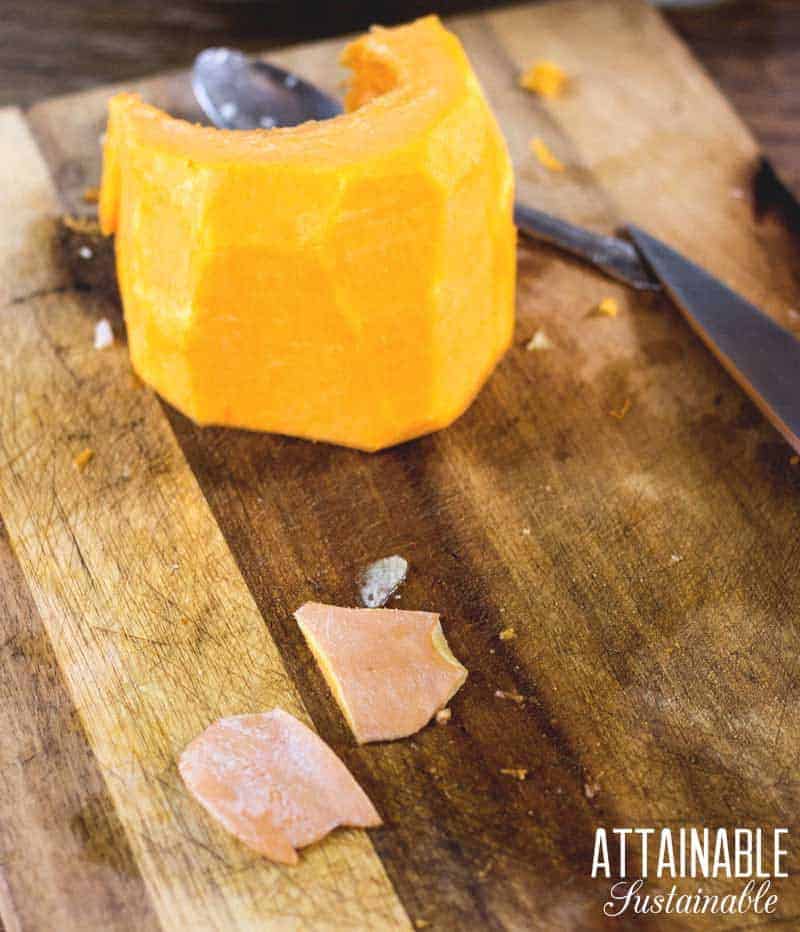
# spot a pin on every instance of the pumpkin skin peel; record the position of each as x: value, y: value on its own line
x: 350, y: 280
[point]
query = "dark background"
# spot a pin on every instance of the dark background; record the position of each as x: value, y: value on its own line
x: 751, y: 47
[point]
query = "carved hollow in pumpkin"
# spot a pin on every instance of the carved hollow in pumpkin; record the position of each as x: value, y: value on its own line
x: 350, y: 280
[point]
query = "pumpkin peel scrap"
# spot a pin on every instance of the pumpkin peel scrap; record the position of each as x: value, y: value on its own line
x: 273, y: 783
x: 390, y: 671
x: 350, y: 280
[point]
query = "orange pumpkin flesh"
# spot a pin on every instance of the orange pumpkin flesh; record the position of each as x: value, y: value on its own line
x: 350, y: 280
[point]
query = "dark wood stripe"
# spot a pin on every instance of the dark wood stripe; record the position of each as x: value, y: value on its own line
x: 64, y: 859
x: 464, y: 845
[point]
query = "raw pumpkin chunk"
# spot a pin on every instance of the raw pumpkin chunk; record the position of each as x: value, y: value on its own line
x: 350, y: 280
x: 390, y: 671
x: 272, y: 782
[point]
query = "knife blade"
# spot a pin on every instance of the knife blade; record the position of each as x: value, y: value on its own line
x: 762, y: 356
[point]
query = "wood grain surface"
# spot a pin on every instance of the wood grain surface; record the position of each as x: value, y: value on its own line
x: 647, y: 560
x: 63, y: 849
x: 752, y: 49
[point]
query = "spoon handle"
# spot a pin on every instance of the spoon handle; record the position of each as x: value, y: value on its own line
x: 614, y: 256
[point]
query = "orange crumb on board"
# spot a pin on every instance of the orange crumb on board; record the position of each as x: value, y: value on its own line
x: 421, y: 923
x: 619, y: 413
x: 273, y: 783
x: 608, y: 307
x: 443, y: 716
x: 518, y: 773
x: 513, y: 696
x: 390, y: 671
x: 545, y: 156
x: 91, y: 195
x: 81, y: 225
x: 507, y: 634
x: 544, y: 78
x: 794, y: 460
x: 82, y: 459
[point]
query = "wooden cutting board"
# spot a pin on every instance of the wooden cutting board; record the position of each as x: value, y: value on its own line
x: 615, y: 500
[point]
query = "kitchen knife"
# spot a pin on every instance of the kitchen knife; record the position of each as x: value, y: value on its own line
x: 760, y: 355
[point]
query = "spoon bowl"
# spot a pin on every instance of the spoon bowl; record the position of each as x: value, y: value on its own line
x: 238, y: 92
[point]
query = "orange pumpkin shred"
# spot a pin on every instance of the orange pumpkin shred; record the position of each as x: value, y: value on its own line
x: 544, y: 78
x: 350, y: 280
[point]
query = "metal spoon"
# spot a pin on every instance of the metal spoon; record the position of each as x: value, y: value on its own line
x: 237, y: 92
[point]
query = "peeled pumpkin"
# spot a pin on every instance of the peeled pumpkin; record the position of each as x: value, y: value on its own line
x: 350, y: 280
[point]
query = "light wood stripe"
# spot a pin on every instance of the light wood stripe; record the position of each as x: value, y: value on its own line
x: 665, y: 146
x: 28, y: 208
x: 149, y: 618
x: 65, y: 860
